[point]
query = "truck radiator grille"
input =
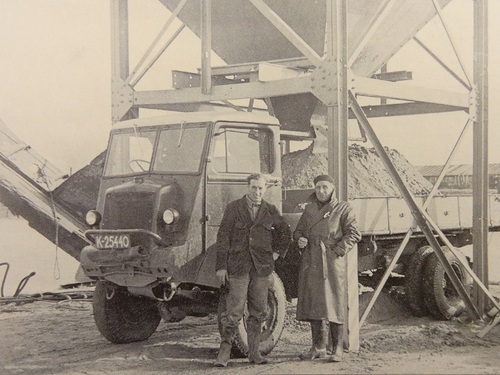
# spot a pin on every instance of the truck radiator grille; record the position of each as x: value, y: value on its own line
x: 129, y: 211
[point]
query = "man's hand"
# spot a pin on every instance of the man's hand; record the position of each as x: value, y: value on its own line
x: 276, y: 256
x: 302, y: 242
x: 340, y: 252
x: 222, y: 276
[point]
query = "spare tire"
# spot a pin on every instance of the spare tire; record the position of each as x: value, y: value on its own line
x: 441, y: 297
x: 413, y: 281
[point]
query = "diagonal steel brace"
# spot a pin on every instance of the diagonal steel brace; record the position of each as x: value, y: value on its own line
x: 416, y: 211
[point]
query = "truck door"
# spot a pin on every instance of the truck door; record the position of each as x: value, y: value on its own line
x: 236, y: 152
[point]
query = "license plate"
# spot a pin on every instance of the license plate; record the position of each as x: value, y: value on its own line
x: 112, y: 241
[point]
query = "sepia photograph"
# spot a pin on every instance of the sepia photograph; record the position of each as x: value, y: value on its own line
x: 249, y: 187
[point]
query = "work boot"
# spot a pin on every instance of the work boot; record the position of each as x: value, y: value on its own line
x: 254, y: 336
x: 224, y: 354
x: 337, y: 337
x: 318, y: 348
x: 226, y: 335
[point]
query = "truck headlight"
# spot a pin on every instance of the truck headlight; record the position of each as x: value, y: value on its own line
x: 170, y: 216
x: 93, y: 217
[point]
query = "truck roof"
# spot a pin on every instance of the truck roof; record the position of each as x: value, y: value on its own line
x: 193, y: 117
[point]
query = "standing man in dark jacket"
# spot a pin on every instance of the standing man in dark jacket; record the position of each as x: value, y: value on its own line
x: 326, y: 231
x: 245, y: 261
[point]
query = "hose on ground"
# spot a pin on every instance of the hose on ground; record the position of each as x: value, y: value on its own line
x: 21, y: 284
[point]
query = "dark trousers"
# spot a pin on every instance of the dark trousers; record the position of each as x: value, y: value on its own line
x: 249, y: 289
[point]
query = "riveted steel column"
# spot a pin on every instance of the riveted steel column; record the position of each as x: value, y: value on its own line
x: 479, y: 114
x: 121, y: 92
x: 206, y: 46
x: 337, y: 117
x: 337, y: 114
x: 119, y: 39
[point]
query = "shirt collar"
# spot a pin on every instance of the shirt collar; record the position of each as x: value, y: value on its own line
x: 251, y: 203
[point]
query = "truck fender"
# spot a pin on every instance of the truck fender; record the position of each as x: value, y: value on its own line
x: 206, y: 273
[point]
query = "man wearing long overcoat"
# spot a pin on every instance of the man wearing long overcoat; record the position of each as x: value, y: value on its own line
x: 326, y: 231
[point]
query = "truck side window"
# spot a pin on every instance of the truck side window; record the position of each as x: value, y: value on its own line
x: 242, y: 151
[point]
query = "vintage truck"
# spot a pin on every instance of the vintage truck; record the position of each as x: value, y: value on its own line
x: 165, y: 184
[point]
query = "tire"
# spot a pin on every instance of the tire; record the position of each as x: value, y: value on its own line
x: 413, y: 281
x: 441, y: 298
x: 275, y: 322
x: 122, y: 317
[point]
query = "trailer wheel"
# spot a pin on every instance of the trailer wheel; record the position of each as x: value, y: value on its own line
x: 275, y: 322
x: 122, y: 317
x: 413, y: 281
x: 441, y: 298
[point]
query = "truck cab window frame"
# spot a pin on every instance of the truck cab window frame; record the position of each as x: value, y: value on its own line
x: 239, y: 150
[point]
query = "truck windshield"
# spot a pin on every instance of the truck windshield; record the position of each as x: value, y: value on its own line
x: 130, y: 152
x: 178, y: 150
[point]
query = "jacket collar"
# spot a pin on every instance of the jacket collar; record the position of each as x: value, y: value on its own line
x: 245, y: 213
x: 333, y: 200
x: 324, y: 210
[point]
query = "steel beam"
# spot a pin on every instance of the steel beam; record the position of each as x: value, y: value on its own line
x: 410, y: 231
x: 377, y: 19
x: 287, y: 31
x: 417, y: 212
x: 121, y: 93
x: 402, y: 75
x: 405, y: 109
x: 334, y: 76
x: 251, y: 90
x: 453, y: 44
x: 442, y: 63
x: 480, y: 150
x: 402, y: 91
x: 165, y: 28
x: 137, y: 77
x: 206, y: 46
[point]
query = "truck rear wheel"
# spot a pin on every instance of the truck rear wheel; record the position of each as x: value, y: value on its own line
x: 441, y: 298
x: 414, y: 283
x: 122, y: 317
x: 275, y: 322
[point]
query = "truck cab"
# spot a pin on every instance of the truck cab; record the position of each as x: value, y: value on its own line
x: 165, y: 185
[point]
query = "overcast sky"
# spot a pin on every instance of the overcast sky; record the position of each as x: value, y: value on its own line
x: 55, y: 78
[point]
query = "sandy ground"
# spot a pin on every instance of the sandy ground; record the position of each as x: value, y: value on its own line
x: 54, y: 337
x: 60, y: 337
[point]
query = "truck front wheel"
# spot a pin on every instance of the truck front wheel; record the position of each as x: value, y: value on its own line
x: 122, y: 317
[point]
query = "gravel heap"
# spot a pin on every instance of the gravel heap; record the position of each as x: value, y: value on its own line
x: 367, y: 176
x: 79, y: 192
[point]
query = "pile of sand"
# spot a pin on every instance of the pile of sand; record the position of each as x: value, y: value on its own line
x: 79, y: 192
x: 367, y: 175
